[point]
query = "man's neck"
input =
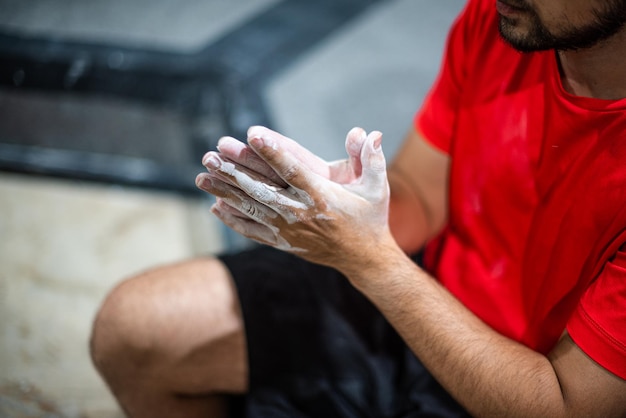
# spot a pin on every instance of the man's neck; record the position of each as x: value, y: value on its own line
x: 599, y: 71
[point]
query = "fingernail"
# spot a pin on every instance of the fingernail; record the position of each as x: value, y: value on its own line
x: 215, y: 210
x: 202, y: 181
x: 253, y: 130
x: 378, y: 142
x: 256, y: 141
x: 220, y: 142
x: 211, y: 161
x: 261, y: 141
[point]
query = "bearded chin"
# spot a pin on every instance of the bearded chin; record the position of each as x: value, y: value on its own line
x: 536, y: 37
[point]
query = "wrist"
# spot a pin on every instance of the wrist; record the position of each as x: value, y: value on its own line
x: 376, y: 266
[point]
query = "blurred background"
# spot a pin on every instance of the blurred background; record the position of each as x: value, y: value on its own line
x: 106, y: 108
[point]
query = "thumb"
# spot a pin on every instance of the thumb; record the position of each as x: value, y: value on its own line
x: 373, y: 159
x: 354, y: 144
x: 374, y: 174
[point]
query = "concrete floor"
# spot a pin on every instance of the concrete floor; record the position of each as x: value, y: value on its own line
x: 66, y: 243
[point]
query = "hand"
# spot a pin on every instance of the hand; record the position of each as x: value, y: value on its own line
x: 342, y: 171
x: 301, y: 210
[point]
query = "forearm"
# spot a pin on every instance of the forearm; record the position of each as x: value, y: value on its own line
x: 488, y: 373
x: 408, y: 219
x: 418, y: 181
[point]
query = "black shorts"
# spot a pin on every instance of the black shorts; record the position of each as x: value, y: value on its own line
x: 319, y: 348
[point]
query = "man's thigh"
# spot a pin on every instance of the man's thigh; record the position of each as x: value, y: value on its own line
x: 317, y: 347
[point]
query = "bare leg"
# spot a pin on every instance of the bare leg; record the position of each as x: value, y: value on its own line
x: 169, y: 341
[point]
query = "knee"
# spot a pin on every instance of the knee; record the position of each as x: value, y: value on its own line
x: 118, y: 333
x: 160, y: 316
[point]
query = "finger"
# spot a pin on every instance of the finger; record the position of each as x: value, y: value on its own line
x: 224, y: 167
x: 354, y: 143
x: 264, y: 234
x: 243, y: 207
x: 349, y: 170
x: 228, y: 181
x: 374, y: 176
x: 238, y: 152
x: 212, y: 161
x: 246, y: 227
x: 237, y: 199
x: 286, y: 164
x: 306, y: 157
x: 227, y: 208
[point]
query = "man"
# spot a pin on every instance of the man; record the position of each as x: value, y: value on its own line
x: 515, y: 176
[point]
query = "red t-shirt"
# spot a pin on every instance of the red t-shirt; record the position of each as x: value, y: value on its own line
x: 536, y: 236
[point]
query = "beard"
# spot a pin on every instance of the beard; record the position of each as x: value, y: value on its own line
x: 605, y: 22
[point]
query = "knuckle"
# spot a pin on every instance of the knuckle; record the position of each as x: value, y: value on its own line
x: 248, y: 208
x: 253, y: 211
x: 290, y: 172
x: 261, y: 194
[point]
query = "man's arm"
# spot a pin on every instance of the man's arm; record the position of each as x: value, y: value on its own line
x: 488, y: 373
x: 418, y: 180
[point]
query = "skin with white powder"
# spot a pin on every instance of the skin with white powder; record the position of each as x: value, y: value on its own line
x: 257, y: 195
x: 310, y: 203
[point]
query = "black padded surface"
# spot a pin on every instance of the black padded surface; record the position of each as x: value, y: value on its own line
x: 119, y: 114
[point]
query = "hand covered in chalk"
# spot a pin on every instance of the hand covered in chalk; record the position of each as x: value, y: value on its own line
x: 342, y: 171
x: 277, y: 193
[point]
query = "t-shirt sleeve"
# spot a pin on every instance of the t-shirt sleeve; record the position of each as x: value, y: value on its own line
x: 436, y: 118
x: 598, y: 325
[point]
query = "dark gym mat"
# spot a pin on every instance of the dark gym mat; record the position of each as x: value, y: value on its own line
x: 113, y: 113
